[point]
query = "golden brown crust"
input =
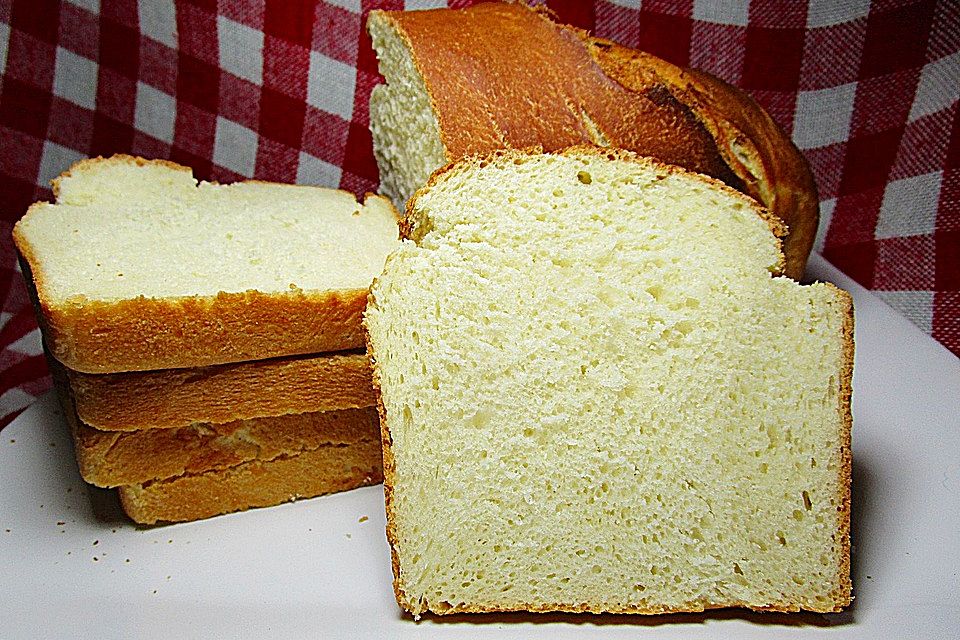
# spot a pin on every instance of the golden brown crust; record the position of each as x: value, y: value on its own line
x: 842, y: 595
x: 172, y: 398
x: 564, y: 87
x: 389, y: 471
x: 258, y: 483
x: 143, y: 334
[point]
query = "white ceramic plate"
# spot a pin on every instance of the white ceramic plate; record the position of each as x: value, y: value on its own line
x: 72, y: 566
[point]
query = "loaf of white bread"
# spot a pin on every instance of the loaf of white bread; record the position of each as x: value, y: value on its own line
x: 193, y: 331
x: 598, y: 394
x: 491, y: 76
x: 138, y: 267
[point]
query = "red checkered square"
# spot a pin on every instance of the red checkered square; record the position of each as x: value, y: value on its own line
x: 773, y: 58
x: 37, y: 18
x: 24, y: 108
x: 277, y: 161
x: 325, y: 135
x: 198, y: 83
x: 869, y: 160
x: 923, y: 148
x: 617, y: 22
x: 285, y: 66
x: 777, y: 14
x: 336, y: 33
x: 196, y: 34
x: 847, y: 225
x: 281, y: 117
x: 831, y: 55
x: 116, y: 95
x: 246, y: 13
x: 239, y: 101
x: 19, y: 161
x: 79, y: 31
x: 119, y: 48
x: 121, y: 12
x: 947, y: 260
x: 896, y: 39
x: 824, y: 162
x: 898, y: 267
x: 665, y: 35
x: 109, y: 135
x: 290, y: 21
x: 857, y: 260
x: 946, y: 319
x: 874, y: 110
x: 720, y: 51
x: 158, y: 65
x: 70, y: 125
x: 195, y: 131
x: 30, y: 61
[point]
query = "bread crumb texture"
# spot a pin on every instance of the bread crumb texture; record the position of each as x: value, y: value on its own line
x: 598, y: 396
x: 124, y: 227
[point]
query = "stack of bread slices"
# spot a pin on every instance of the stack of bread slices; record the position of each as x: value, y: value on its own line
x: 206, y: 339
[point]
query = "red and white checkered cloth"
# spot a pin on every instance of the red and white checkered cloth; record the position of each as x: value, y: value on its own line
x: 278, y: 90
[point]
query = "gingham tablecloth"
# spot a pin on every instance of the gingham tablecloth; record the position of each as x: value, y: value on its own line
x: 278, y: 90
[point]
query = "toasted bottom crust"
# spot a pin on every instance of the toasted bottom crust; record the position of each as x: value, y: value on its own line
x: 258, y: 483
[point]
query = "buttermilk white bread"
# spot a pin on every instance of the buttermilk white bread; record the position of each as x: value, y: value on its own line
x: 465, y: 81
x: 598, y: 393
x: 136, y: 266
x: 172, y: 398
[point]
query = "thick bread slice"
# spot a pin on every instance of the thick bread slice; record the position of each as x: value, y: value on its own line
x: 138, y: 267
x: 114, y: 458
x: 171, y: 398
x: 596, y: 394
x: 496, y: 76
x: 258, y: 483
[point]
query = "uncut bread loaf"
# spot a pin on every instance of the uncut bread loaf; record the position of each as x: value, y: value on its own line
x: 465, y: 81
x: 171, y: 398
x: 136, y: 267
x: 598, y: 394
x: 257, y: 483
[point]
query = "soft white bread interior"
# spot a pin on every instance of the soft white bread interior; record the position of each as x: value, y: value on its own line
x: 597, y: 394
x: 137, y: 266
x: 505, y: 75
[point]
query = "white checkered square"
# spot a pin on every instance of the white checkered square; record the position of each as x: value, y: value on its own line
x: 75, y: 79
x: 909, y: 206
x: 55, y: 160
x: 28, y: 345
x: 826, y: 214
x: 825, y: 13
x: 331, y: 85
x: 938, y: 88
x: 352, y: 6
x: 629, y: 4
x: 93, y: 6
x: 14, y: 400
x: 733, y: 12
x: 823, y: 116
x: 917, y: 306
x: 158, y: 20
x: 411, y: 5
x: 241, y: 49
x: 4, y: 45
x: 155, y: 112
x: 315, y: 171
x: 235, y: 147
